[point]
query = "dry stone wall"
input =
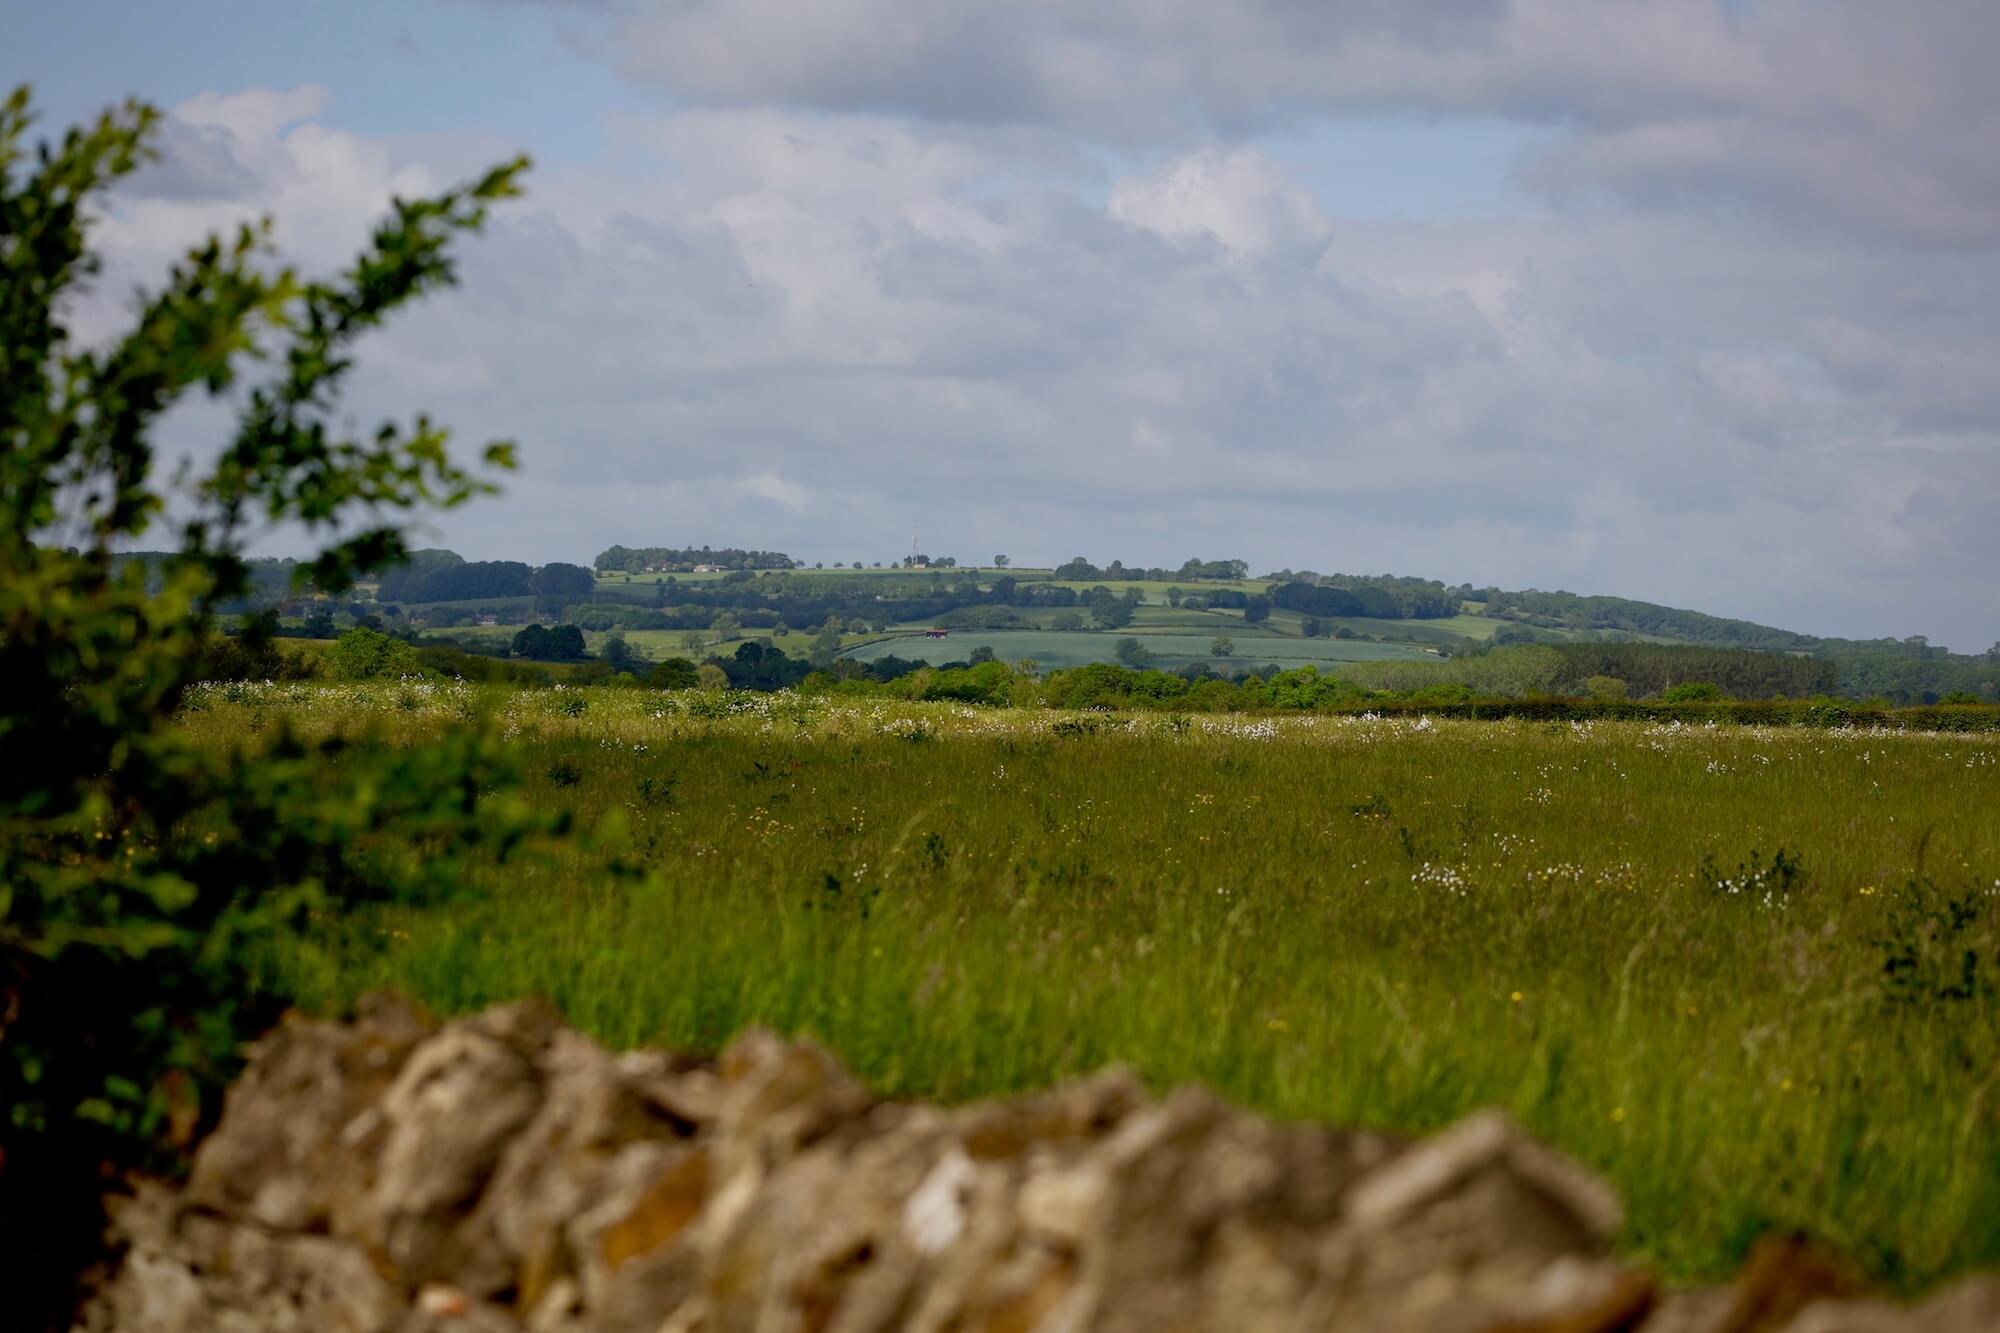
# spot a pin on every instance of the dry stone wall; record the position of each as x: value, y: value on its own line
x: 503, y: 1173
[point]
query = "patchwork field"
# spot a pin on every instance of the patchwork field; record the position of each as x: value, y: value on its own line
x: 1751, y: 974
x: 1054, y: 648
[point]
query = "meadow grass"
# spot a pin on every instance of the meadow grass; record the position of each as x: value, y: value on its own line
x: 1362, y: 921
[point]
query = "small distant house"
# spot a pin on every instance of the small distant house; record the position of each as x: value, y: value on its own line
x: 488, y: 620
x: 936, y: 633
x: 708, y: 569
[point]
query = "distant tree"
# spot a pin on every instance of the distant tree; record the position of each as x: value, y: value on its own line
x: 857, y: 564
x: 1076, y: 567
x: 1221, y: 646
x: 1174, y: 596
x: 1693, y: 692
x: 709, y: 676
x: 618, y: 653
x: 532, y: 642
x: 675, y: 673
x: 1000, y: 562
x: 1066, y: 620
x: 826, y: 645
x: 726, y: 627
x: 1257, y: 609
x: 1108, y: 609
x: 1133, y: 654
x: 983, y: 653
x: 1312, y: 627
x: 319, y: 625
x: 566, y: 643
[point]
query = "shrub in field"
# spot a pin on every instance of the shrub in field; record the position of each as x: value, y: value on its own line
x: 1605, y: 687
x: 1754, y: 879
x: 253, y: 657
x: 139, y: 872
x: 1941, y: 948
x: 366, y: 654
x: 1692, y: 692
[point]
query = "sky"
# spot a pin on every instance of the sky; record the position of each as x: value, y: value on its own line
x: 1695, y: 301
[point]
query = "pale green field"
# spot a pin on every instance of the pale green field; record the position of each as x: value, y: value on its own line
x: 1156, y: 592
x: 647, y: 580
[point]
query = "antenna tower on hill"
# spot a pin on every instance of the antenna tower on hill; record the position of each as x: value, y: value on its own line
x: 913, y: 547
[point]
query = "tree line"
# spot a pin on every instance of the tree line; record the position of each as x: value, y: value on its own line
x: 683, y: 559
x: 443, y: 576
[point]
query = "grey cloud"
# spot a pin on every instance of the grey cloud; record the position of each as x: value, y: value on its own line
x: 1869, y: 117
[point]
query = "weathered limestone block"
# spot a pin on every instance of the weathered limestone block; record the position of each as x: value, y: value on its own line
x: 274, y: 1156
x: 193, y: 1273
x: 429, y: 1146
x: 1475, y: 1228
x: 595, y: 1106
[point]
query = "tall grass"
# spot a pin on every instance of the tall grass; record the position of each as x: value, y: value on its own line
x: 1749, y: 974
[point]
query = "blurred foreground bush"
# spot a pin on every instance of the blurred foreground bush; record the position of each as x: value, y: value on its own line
x: 140, y: 875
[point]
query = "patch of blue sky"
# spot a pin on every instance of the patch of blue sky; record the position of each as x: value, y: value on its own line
x: 393, y: 67
x: 1385, y: 168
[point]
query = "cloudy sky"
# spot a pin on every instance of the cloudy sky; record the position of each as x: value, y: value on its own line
x: 1689, y: 300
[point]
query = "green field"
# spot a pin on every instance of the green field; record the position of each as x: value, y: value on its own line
x: 1749, y: 974
x: 1053, y: 648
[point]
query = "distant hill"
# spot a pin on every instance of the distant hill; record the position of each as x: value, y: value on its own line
x: 1567, y: 610
x: 769, y: 589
